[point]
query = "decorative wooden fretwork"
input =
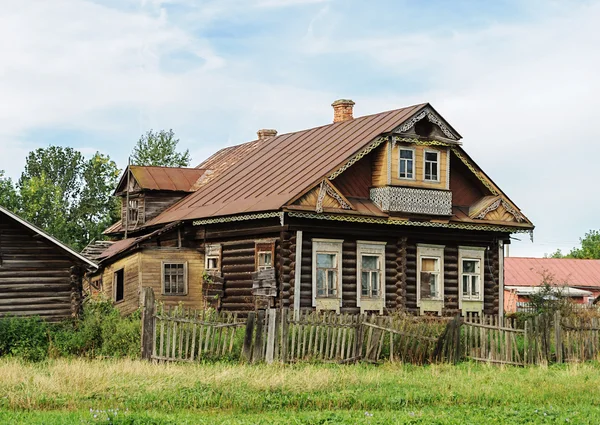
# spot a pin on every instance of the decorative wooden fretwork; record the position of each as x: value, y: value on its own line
x: 476, y: 172
x: 357, y: 157
x: 326, y: 189
x: 501, y: 203
x: 412, y: 200
x: 232, y: 218
x: 433, y: 118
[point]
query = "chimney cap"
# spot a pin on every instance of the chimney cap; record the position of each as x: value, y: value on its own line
x: 343, y: 102
x: 265, y: 133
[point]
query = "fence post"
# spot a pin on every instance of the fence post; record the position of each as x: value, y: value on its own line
x: 457, y: 338
x: 148, y: 311
x: 258, y: 341
x: 284, y: 334
x: 558, y: 337
x: 272, y: 323
x: 247, y: 349
x: 358, y: 341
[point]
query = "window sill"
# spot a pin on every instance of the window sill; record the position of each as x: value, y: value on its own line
x: 174, y: 295
x: 431, y: 305
x: 372, y: 304
x: 327, y: 304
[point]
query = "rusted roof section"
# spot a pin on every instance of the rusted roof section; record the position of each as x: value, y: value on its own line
x: 263, y: 175
x: 521, y: 271
x: 162, y: 178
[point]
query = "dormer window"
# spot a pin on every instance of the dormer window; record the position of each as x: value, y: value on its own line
x: 431, y: 166
x: 133, y: 211
x: 406, y: 169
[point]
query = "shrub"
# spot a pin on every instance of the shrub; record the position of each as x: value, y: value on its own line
x: 25, y: 337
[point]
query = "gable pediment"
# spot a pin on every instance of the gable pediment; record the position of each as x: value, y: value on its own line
x: 427, y: 123
x: 325, y: 195
x: 495, y: 208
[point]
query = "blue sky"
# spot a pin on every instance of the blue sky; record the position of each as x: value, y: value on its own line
x: 518, y: 79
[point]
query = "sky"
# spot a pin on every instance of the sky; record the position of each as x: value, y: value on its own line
x: 517, y: 79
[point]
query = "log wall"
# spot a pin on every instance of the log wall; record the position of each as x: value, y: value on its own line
x: 36, y: 277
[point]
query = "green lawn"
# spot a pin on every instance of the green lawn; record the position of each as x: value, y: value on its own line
x: 135, y: 392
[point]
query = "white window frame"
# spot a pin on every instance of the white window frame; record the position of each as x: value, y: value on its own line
x: 438, y: 153
x: 212, y: 251
x: 258, y: 266
x: 185, y: 278
x: 471, y: 253
x: 326, y: 246
x: 425, y: 251
x: 400, y: 159
x: 373, y: 248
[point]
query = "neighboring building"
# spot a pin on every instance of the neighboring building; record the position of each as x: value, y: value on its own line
x: 579, y: 280
x: 39, y: 276
x: 375, y: 213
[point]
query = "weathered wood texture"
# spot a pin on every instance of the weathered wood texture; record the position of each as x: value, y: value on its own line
x: 157, y: 202
x: 237, y: 266
x: 379, y: 167
x: 144, y: 268
x: 36, y: 277
x: 466, y: 188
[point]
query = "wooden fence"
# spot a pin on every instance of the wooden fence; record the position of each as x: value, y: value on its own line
x: 177, y: 334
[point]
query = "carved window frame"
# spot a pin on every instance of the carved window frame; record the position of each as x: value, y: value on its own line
x: 437, y: 162
x: 414, y: 162
x: 426, y: 251
x: 213, y: 252
x: 327, y: 246
x: 471, y: 253
x: 373, y: 248
x: 263, y: 248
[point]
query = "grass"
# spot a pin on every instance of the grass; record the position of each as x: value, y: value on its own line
x: 135, y: 392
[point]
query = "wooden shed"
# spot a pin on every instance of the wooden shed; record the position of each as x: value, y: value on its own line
x: 39, y: 275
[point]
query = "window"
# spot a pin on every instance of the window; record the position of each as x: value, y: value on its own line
x: 174, y: 278
x: 370, y: 275
x: 430, y: 272
x: 430, y: 277
x: 471, y: 273
x: 406, y: 170
x: 431, y: 166
x: 264, y: 251
x: 119, y: 285
x: 133, y: 211
x: 265, y: 260
x: 327, y: 269
x: 212, y: 262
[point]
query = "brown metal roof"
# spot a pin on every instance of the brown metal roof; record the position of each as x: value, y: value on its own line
x: 263, y: 175
x: 164, y: 178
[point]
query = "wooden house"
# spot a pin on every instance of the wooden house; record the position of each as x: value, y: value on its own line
x: 39, y: 276
x: 376, y: 213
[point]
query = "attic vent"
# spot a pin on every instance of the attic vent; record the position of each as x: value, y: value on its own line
x: 424, y: 128
x: 265, y: 133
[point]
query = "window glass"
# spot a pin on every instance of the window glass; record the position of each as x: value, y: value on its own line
x: 431, y: 166
x: 471, y: 278
x: 325, y: 260
x: 174, y: 278
x: 326, y: 275
x: 265, y: 260
x: 406, y: 164
x: 430, y: 277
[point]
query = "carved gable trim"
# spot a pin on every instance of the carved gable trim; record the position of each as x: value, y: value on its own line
x: 495, y: 208
x: 433, y: 118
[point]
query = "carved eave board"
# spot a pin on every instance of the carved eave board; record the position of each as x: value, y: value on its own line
x: 429, y: 124
x: 496, y: 208
x: 324, y: 195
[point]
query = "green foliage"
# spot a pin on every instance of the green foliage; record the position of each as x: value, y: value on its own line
x: 100, y: 332
x: 159, y: 149
x: 8, y: 194
x: 25, y: 337
x: 68, y: 196
x: 589, y: 249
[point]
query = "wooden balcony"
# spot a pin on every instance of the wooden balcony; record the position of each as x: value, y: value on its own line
x: 412, y: 200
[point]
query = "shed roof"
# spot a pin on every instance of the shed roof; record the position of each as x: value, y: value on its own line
x: 263, y: 175
x: 567, y: 291
x: 522, y: 271
x: 163, y: 178
x: 47, y: 236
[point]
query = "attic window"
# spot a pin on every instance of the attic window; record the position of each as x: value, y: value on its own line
x: 133, y: 211
x: 424, y: 128
x: 431, y: 166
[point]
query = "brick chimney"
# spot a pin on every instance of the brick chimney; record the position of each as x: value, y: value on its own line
x: 265, y: 133
x: 342, y: 110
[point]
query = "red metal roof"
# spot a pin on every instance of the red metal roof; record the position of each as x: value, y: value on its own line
x: 166, y: 178
x: 520, y: 271
x: 263, y: 175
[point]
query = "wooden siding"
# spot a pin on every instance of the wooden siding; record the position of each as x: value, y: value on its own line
x: 357, y: 180
x: 311, y: 198
x: 35, y: 276
x: 131, y: 284
x: 418, y: 167
x: 157, y: 202
x: 379, y: 167
x: 151, y: 260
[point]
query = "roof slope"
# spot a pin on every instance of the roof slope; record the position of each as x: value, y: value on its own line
x: 519, y: 271
x: 47, y: 236
x: 263, y: 175
x: 163, y: 178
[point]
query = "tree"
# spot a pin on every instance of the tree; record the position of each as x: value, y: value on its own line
x: 68, y: 196
x: 9, y: 198
x: 590, y: 248
x: 159, y: 149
